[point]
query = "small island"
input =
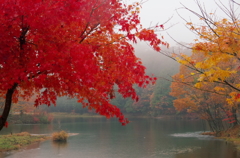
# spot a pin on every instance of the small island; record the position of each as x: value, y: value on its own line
x: 16, y: 141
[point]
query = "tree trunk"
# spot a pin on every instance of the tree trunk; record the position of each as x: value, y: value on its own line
x: 7, y: 106
x: 234, y: 112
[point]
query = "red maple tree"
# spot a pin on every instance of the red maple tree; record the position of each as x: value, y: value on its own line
x: 74, y: 48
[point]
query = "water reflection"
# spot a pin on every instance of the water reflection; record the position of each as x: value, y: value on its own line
x: 59, y: 144
x: 222, y: 150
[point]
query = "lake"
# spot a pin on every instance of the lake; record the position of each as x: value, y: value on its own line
x: 142, y: 138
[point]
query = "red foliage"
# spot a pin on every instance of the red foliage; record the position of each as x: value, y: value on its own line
x: 35, y: 119
x: 6, y: 124
x: 237, y: 96
x: 56, y: 48
x: 230, y: 117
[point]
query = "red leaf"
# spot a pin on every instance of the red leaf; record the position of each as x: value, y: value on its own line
x: 6, y: 124
x: 137, y: 98
x: 232, y: 121
x: 237, y: 96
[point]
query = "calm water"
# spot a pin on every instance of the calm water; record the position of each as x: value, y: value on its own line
x: 142, y: 138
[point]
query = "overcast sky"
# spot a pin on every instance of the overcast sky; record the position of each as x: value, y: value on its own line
x: 159, y: 11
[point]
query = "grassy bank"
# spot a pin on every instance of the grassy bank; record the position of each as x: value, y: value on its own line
x: 17, y: 141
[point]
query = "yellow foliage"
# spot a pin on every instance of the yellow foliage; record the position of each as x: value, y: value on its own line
x: 229, y: 101
x: 183, y: 62
x: 216, y: 56
x: 219, y: 89
x: 238, y: 85
x: 198, y: 85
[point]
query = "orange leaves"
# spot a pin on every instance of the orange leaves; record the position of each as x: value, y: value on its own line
x: 149, y: 35
x: 185, y: 104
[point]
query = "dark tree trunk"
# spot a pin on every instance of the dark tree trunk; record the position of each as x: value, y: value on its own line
x: 234, y: 112
x: 7, y: 106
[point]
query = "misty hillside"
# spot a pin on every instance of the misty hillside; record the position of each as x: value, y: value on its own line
x: 155, y: 62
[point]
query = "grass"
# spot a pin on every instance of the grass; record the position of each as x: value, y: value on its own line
x: 17, y: 141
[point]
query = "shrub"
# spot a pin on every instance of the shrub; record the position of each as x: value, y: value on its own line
x: 60, y: 136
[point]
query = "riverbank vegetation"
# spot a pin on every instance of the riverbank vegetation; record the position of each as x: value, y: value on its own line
x: 17, y: 141
x: 31, y: 118
x: 230, y: 135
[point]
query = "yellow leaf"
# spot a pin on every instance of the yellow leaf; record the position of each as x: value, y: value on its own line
x: 219, y: 89
x: 198, y: 85
x: 229, y: 101
x: 182, y: 76
x: 238, y: 85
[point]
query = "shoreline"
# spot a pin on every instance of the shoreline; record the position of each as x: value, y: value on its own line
x: 231, y: 135
x: 23, y: 140
x: 18, y: 141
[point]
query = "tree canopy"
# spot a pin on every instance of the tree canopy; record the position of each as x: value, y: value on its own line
x: 79, y: 49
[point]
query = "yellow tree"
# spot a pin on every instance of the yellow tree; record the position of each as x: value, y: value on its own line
x: 218, y: 45
x: 208, y: 101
